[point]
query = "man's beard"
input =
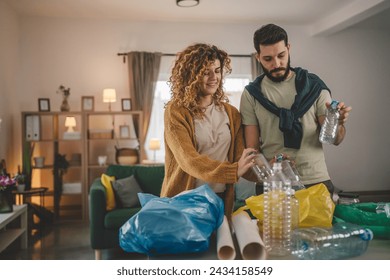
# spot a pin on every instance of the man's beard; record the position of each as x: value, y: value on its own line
x: 280, y: 78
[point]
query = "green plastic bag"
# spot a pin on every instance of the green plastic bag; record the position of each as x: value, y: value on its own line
x: 364, y: 214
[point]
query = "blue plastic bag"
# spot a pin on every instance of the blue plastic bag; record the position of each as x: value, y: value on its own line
x: 181, y: 224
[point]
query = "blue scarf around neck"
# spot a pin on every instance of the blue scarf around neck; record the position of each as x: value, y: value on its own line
x: 308, y: 87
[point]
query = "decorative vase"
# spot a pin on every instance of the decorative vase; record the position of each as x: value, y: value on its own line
x: 21, y: 187
x: 65, y: 105
x: 6, y: 201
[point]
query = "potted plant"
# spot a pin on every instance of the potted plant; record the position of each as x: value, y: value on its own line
x: 20, y: 180
x: 60, y: 167
x: 26, y: 164
x: 65, y: 94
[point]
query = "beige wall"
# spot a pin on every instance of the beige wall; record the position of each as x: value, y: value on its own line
x: 81, y: 54
x: 9, y: 47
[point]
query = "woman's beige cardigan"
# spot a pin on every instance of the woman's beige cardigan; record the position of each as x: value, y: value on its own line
x: 183, y: 164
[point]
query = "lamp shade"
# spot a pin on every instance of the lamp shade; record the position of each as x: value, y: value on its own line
x: 70, y: 122
x: 154, y: 144
x: 187, y: 3
x: 109, y: 95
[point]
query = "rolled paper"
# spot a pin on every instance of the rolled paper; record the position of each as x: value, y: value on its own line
x: 225, y: 246
x: 248, y: 237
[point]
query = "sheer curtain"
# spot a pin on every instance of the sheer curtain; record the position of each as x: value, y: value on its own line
x: 143, y: 73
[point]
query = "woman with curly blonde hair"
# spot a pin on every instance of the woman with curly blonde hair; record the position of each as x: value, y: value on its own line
x: 204, y: 140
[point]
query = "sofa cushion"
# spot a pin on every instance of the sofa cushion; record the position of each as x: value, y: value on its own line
x: 110, y: 197
x: 121, y: 171
x: 126, y: 191
x: 115, y: 219
x: 150, y: 178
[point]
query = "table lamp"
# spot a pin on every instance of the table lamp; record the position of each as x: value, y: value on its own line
x: 70, y: 122
x: 154, y: 145
x: 109, y: 96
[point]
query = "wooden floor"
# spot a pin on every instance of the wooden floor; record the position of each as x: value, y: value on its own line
x: 65, y: 240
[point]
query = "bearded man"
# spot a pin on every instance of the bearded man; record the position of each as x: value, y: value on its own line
x: 283, y: 109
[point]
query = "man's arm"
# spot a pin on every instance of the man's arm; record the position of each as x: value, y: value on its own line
x: 252, y: 136
x: 340, y: 135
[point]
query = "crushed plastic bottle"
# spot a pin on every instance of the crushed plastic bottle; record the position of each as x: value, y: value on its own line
x: 292, y: 174
x: 262, y: 168
x: 342, y: 241
x: 383, y: 207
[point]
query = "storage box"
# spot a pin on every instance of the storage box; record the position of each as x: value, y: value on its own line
x: 100, y: 134
x: 75, y: 135
x: 71, y: 187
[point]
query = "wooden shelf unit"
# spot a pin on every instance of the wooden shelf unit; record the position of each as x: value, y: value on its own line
x: 50, y: 141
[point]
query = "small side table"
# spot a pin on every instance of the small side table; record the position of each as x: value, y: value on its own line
x: 9, y: 235
x: 22, y: 197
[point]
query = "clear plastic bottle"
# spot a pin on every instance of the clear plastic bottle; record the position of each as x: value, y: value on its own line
x: 342, y: 241
x: 383, y: 207
x: 262, y: 168
x: 294, y: 209
x: 292, y: 174
x: 277, y: 216
x: 329, y: 128
x: 279, y: 174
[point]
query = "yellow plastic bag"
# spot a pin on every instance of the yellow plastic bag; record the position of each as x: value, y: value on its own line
x: 315, y: 207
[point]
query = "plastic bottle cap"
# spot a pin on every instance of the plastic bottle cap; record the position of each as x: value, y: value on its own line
x: 367, y: 235
x: 334, y: 104
x: 304, y: 246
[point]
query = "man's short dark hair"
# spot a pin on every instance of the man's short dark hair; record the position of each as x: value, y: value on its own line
x: 268, y: 35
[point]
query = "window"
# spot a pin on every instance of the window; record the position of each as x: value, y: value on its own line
x: 156, y: 125
x: 233, y: 86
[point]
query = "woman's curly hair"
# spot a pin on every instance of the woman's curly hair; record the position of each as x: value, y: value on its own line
x: 187, y: 74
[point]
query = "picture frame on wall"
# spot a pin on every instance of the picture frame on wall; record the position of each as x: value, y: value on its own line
x: 87, y: 103
x: 44, y: 104
x: 124, y: 131
x: 126, y: 104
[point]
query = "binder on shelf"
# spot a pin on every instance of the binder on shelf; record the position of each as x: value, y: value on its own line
x: 33, y: 128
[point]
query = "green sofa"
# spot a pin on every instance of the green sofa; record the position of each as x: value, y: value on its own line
x: 104, y: 225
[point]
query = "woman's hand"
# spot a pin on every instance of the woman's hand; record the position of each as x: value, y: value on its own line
x: 246, y: 161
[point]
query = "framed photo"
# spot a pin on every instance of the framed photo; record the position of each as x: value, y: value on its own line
x: 87, y: 103
x: 124, y: 131
x: 44, y: 104
x: 126, y: 104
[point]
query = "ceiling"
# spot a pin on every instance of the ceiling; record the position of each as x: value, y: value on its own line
x: 321, y: 16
